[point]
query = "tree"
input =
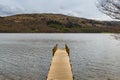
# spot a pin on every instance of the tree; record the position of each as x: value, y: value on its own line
x: 110, y: 7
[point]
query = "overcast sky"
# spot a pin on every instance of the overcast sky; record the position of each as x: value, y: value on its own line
x: 79, y: 8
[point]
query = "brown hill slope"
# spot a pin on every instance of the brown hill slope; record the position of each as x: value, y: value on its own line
x: 50, y: 23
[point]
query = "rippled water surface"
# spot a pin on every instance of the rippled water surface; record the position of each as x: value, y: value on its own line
x: 28, y: 56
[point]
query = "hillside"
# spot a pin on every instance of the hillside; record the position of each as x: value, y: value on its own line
x: 55, y: 23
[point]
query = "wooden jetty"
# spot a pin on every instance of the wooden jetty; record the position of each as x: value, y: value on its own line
x: 60, y: 68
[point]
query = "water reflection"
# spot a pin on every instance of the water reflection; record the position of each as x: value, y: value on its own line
x: 28, y: 56
x: 116, y: 36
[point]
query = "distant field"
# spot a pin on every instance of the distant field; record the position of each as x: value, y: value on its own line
x: 55, y: 23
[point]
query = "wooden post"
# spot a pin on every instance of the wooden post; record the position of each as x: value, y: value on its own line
x: 55, y: 48
x: 67, y: 49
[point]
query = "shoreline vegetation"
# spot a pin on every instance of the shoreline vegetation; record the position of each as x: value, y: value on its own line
x: 55, y: 23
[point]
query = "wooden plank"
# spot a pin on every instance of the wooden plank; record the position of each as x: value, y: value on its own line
x: 60, y: 68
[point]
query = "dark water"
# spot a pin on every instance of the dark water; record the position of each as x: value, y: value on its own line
x: 28, y: 56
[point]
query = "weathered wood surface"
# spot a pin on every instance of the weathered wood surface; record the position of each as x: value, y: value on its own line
x: 60, y: 68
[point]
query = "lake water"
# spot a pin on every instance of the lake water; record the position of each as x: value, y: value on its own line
x: 28, y: 56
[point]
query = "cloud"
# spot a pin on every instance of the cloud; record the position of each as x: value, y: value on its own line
x: 78, y: 8
x: 10, y: 10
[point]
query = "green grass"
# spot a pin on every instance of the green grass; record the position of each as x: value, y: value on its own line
x: 60, y: 27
